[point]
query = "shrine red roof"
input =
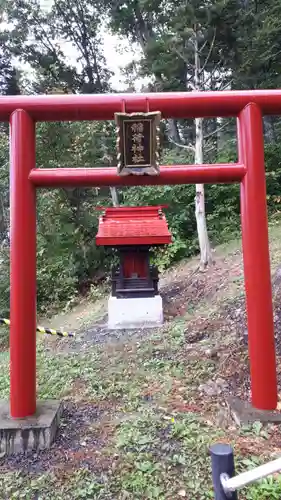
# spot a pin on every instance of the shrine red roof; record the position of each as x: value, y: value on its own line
x: 133, y: 226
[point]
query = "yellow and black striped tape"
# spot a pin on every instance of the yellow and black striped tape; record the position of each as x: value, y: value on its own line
x: 41, y: 329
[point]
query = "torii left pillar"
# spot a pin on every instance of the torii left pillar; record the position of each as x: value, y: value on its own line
x: 23, y: 425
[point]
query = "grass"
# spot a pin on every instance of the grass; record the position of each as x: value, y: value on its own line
x: 152, y: 427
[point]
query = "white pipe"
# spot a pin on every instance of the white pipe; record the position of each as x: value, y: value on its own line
x: 231, y: 484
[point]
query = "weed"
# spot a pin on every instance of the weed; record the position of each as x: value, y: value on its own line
x: 268, y: 489
x: 150, y: 439
x: 256, y: 429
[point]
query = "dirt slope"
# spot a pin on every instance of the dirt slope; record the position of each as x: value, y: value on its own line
x: 142, y: 407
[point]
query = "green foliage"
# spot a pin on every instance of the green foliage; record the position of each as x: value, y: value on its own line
x: 269, y: 488
x: 68, y: 259
x: 165, y: 32
x: 273, y: 176
x: 238, y: 47
x: 158, y: 453
x: 34, y: 36
x: 222, y: 205
x: 141, y: 443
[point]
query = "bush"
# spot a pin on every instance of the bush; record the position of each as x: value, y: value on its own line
x: 68, y: 260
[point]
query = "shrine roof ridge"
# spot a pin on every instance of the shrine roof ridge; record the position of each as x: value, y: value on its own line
x: 133, y: 226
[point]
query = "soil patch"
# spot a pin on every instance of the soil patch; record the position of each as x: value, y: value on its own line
x: 74, y: 445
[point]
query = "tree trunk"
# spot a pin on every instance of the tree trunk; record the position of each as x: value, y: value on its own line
x: 173, y: 130
x: 203, y: 238
x: 114, y: 196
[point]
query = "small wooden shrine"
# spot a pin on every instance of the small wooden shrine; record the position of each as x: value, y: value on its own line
x: 133, y: 231
x: 135, y: 300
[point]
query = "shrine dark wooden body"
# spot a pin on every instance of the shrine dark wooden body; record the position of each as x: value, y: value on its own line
x: 133, y: 231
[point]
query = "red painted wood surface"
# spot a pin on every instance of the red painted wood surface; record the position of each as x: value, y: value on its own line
x: 133, y: 226
x: 256, y: 260
x: 171, y: 104
x: 23, y: 267
x: 135, y: 263
x: 107, y: 176
x: 248, y: 106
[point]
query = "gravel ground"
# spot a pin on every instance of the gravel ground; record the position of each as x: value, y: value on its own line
x: 70, y: 448
x: 99, y: 334
x: 179, y: 293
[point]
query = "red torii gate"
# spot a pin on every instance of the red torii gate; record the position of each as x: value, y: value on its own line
x: 249, y: 107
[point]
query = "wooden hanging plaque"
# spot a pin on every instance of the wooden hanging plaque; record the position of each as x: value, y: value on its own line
x: 138, y: 143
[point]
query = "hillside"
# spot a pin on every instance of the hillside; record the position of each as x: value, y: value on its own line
x: 142, y: 407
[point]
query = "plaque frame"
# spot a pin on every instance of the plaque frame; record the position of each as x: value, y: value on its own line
x: 151, y: 145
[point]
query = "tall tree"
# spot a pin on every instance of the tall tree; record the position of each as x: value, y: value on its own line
x: 182, y: 48
x: 41, y: 38
x: 9, y: 76
x: 9, y: 85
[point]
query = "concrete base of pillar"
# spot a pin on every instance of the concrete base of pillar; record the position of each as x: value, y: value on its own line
x: 134, y: 313
x: 31, y: 433
x: 244, y: 413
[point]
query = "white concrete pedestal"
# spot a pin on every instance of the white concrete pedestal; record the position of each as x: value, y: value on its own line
x: 135, y: 313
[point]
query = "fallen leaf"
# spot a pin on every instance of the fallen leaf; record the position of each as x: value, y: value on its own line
x: 182, y: 493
